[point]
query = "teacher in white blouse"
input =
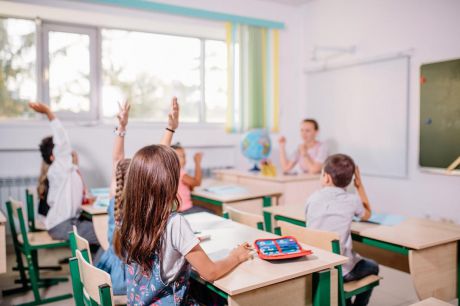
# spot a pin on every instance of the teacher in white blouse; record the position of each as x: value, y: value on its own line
x: 309, y: 155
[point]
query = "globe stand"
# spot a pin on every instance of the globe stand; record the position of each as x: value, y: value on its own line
x: 254, y: 169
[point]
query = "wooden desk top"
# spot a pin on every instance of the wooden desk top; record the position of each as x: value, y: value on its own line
x: 413, y: 233
x: 2, y: 218
x: 251, y: 191
x: 92, y: 210
x: 255, y: 273
x: 280, y: 178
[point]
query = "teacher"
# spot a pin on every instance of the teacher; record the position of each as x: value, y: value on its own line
x: 310, y: 155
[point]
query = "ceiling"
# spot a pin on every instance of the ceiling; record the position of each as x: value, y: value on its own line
x: 289, y: 2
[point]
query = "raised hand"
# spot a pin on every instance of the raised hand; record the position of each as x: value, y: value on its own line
x: 42, y: 108
x: 358, y: 182
x: 123, y: 114
x: 198, y: 157
x: 282, y: 141
x: 173, y: 116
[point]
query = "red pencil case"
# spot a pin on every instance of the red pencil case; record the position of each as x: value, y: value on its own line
x: 280, y: 248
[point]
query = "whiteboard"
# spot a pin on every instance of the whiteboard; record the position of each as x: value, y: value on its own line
x: 362, y: 110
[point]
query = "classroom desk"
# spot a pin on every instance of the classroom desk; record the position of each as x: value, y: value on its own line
x: 426, y: 249
x: 295, y: 188
x: 100, y: 220
x: 215, y: 201
x: 2, y: 243
x: 259, y: 282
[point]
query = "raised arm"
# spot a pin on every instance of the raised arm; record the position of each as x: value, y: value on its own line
x: 286, y: 164
x: 362, y: 194
x: 62, y: 150
x: 194, y: 181
x: 118, y: 152
x: 213, y: 270
x: 173, y: 123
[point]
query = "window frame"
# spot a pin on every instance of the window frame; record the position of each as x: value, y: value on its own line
x: 94, y: 100
x: 94, y: 116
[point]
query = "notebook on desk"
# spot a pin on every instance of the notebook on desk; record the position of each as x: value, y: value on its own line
x: 384, y: 219
x: 102, y: 197
x: 226, y: 190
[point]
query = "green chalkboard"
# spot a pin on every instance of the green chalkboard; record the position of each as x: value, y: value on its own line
x: 439, y: 114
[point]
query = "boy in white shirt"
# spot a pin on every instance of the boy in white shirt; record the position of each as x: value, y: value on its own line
x: 332, y: 209
x: 66, y: 189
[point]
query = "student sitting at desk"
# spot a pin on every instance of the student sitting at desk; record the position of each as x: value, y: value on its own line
x: 332, y: 209
x: 66, y: 190
x: 187, y: 182
x: 157, y: 243
x: 310, y: 155
x: 109, y: 261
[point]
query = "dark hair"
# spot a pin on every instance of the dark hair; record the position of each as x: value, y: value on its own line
x: 46, y: 149
x: 341, y: 168
x: 177, y: 146
x: 149, y: 197
x: 312, y: 121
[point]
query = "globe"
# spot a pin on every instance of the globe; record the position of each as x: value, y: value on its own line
x: 256, y: 146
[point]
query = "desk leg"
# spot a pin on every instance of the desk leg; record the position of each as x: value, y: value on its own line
x: 267, y: 201
x: 434, y: 271
x: 322, y: 288
x: 268, y: 221
x: 2, y: 249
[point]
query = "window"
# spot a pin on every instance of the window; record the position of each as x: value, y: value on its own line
x: 18, y: 83
x: 215, y: 80
x: 86, y: 71
x: 148, y: 69
x: 69, y: 70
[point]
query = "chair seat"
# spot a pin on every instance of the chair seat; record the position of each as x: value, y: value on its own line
x: 120, y: 300
x: 39, y: 239
x: 360, y: 283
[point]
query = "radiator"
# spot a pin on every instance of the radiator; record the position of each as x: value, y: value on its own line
x: 15, y: 187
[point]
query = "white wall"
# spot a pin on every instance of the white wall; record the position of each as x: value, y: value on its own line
x: 379, y: 27
x: 95, y: 142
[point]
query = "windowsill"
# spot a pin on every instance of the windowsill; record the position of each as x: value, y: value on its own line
x: 27, y: 123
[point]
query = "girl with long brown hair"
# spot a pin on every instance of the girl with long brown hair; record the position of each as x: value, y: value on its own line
x: 109, y: 261
x: 158, y: 243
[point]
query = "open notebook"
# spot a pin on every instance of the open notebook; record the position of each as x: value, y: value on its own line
x: 384, y: 219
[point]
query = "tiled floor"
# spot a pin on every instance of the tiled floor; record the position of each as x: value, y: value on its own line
x: 395, y: 289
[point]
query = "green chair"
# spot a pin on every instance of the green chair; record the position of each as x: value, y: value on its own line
x: 329, y: 241
x: 92, y: 285
x: 243, y: 217
x: 27, y: 244
x: 80, y: 245
x: 31, y: 221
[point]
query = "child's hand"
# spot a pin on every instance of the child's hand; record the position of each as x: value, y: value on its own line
x: 75, y: 158
x: 123, y: 114
x: 282, y: 141
x: 357, y: 181
x: 198, y: 157
x: 173, y: 116
x: 242, y: 252
x: 42, y: 109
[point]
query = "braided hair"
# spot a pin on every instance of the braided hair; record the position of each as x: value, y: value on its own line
x: 120, y: 175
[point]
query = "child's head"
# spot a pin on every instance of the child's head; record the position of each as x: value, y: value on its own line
x: 46, y: 149
x: 338, y: 170
x: 149, y: 197
x: 309, y: 129
x: 180, y: 151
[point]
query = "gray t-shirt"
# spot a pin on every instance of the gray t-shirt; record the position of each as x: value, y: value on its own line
x: 332, y: 209
x: 178, y: 241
